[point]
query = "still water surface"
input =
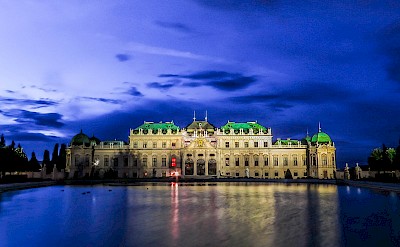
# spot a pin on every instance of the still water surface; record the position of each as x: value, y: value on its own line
x: 200, y: 214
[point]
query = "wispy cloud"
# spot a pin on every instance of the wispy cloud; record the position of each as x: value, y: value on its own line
x: 123, y: 57
x: 155, y: 50
x: 177, y: 26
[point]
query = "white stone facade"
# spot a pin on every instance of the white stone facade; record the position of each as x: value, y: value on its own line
x: 157, y: 150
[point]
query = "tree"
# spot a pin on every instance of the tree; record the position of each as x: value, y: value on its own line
x: 2, y: 141
x: 33, y: 164
x: 396, y: 159
x: 21, y: 160
x: 375, y: 159
x: 54, y: 156
x: 386, y: 162
x: 62, y: 158
x: 46, y: 161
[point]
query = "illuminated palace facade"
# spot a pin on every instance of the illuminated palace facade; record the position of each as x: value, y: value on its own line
x: 200, y: 150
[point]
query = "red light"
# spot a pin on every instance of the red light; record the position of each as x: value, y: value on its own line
x: 173, y: 162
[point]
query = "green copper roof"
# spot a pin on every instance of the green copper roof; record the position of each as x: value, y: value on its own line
x: 80, y: 139
x: 245, y: 126
x: 321, y: 137
x: 287, y: 142
x: 157, y: 126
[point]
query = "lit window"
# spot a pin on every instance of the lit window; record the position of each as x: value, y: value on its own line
x: 154, y: 161
x: 173, y: 162
x: 285, y: 160
x: 164, y: 161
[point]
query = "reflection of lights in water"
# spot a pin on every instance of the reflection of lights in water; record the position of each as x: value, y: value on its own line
x: 174, y: 210
x: 358, y: 191
x: 348, y: 189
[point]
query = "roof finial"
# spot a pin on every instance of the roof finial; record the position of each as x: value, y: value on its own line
x: 206, y: 115
x: 307, y: 131
x: 194, y: 115
x: 319, y: 126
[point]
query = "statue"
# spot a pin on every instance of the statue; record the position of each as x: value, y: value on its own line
x: 247, y: 172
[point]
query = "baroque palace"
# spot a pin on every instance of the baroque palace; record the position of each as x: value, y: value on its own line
x: 201, y: 150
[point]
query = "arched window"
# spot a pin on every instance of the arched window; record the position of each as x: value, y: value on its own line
x: 189, y: 165
x: 212, y: 167
x: 201, y: 167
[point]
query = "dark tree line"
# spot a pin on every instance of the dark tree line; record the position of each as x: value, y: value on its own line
x: 385, y: 159
x: 14, y: 159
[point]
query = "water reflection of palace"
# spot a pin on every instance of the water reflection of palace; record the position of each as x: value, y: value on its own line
x: 202, y: 150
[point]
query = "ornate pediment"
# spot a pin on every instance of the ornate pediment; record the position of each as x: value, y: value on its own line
x: 200, y: 142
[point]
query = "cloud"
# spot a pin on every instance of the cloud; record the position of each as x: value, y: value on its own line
x: 41, y: 119
x: 123, y: 57
x: 162, y: 86
x: 220, y: 80
x: 155, y: 50
x: 111, y: 101
x: 134, y: 92
x: 174, y: 26
x: 389, y: 41
x: 308, y: 92
x: 24, y: 102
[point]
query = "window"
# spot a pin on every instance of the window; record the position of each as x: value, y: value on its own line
x: 173, y: 163
x: 227, y: 144
x: 265, y: 144
x: 144, y: 144
x: 87, y: 160
x: 295, y: 160
x: 305, y: 173
x: 314, y: 160
x: 236, y: 144
x: 135, y: 161
x: 115, y: 161
x: 105, y: 161
x: 227, y: 161
x: 154, y: 162
x: 163, y: 161
x: 246, y: 144
x: 285, y: 160
x: 164, y: 144
x: 276, y: 174
x: 333, y: 160
x: 126, y: 161
x: 173, y: 144
x: 154, y: 144
x: 237, y: 161
x: 144, y: 161
x: 324, y: 160
x: 275, y: 161
x: 256, y: 144
x: 266, y: 174
x: 303, y: 157
x: 237, y: 174
x: 246, y: 161
x: 256, y: 174
x: 135, y: 145
x: 266, y: 163
x: 295, y: 174
x: 228, y: 174
x: 255, y: 161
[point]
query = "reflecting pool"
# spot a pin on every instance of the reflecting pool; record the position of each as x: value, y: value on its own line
x: 200, y: 214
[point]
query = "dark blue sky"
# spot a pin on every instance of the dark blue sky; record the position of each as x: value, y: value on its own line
x: 108, y: 67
